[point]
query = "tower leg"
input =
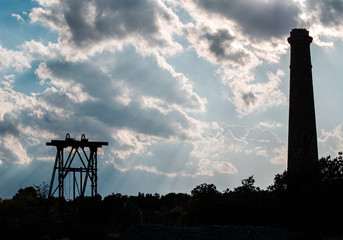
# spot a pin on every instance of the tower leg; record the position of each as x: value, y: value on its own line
x: 95, y: 173
x: 53, y: 173
x: 61, y: 182
x: 57, y: 159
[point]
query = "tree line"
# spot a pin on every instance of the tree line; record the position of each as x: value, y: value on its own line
x: 26, y: 216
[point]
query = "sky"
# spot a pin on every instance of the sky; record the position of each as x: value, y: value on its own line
x: 184, y: 91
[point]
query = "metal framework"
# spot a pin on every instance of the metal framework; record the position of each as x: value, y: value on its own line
x: 80, y: 171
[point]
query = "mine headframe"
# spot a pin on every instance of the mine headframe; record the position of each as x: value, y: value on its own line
x: 79, y: 166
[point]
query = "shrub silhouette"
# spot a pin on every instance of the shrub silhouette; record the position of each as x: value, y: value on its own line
x: 120, y: 213
x: 204, y: 205
x: 26, y: 194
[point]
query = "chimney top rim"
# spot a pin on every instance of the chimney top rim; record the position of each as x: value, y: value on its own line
x: 300, y: 35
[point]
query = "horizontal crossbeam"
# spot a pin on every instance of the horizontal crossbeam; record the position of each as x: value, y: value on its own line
x: 76, y: 143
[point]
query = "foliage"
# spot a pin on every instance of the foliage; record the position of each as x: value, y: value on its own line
x: 331, y: 172
x: 26, y: 194
x: 280, y: 183
x: 247, y: 186
x: 120, y: 212
x: 42, y: 190
x: 204, y: 205
x: 204, y: 189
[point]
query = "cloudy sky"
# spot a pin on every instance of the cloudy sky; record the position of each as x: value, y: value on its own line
x: 184, y: 91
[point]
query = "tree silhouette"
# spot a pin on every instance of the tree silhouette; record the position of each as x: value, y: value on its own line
x: 280, y: 183
x: 247, y: 186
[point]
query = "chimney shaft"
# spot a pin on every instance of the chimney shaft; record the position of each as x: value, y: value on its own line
x: 302, y: 136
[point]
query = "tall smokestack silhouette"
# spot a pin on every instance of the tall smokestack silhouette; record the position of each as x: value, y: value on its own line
x: 302, y: 135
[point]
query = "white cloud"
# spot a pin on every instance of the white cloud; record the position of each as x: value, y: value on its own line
x: 35, y: 135
x: 232, y: 142
x: 16, y: 60
x: 279, y: 155
x: 8, y: 81
x: 38, y: 51
x: 46, y: 158
x: 28, y: 51
x: 265, y: 143
x: 13, y: 102
x: 330, y: 142
x: 222, y: 40
x: 270, y: 124
x: 154, y: 171
x: 12, y: 150
x: 75, y: 91
x: 194, y: 103
x: 216, y: 143
x: 209, y: 168
x: 18, y: 17
x: 249, y: 95
x: 261, y: 152
x: 130, y: 142
x: 218, y: 44
x: 205, y: 159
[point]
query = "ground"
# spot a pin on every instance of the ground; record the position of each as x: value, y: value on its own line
x: 160, y: 232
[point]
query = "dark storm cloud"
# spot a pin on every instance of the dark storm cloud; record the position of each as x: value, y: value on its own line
x: 111, y: 19
x: 218, y: 44
x: 257, y: 18
x: 150, y: 80
x: 140, y: 81
x: 143, y: 77
x: 249, y: 98
x: 329, y: 12
x: 217, y: 40
x: 8, y: 126
x: 89, y: 22
x: 98, y: 117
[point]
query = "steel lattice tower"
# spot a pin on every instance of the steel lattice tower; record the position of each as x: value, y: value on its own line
x: 80, y: 164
